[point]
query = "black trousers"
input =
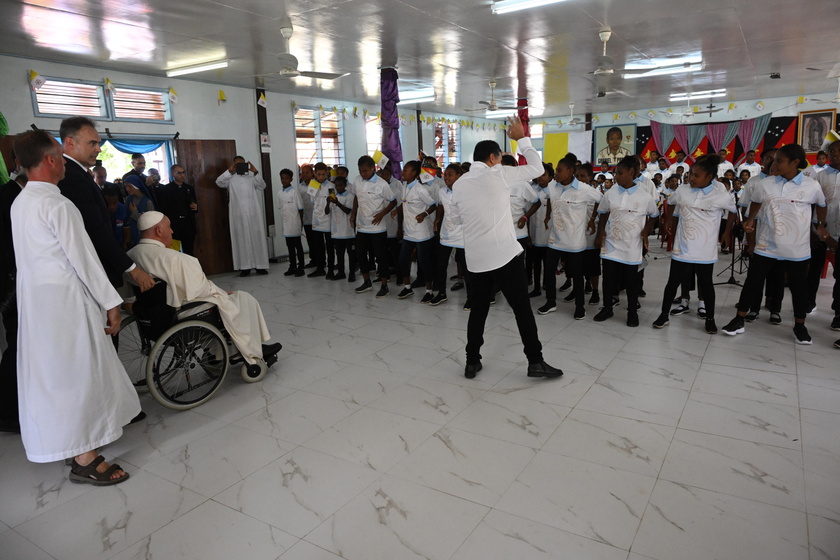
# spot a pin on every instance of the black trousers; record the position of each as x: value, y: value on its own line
x: 511, y: 279
x: 345, y: 246
x: 321, y: 249
x: 540, y: 272
x: 760, y: 268
x: 441, y: 270
x: 425, y: 262
x: 8, y: 369
x: 574, y: 270
x: 392, y: 254
x: 372, y: 242
x: 307, y: 232
x: 815, y: 268
x: 683, y: 273
x: 616, y: 273
x: 295, y: 247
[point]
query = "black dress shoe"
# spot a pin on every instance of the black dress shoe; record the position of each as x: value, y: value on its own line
x: 471, y: 370
x: 244, y: 273
x: 262, y: 271
x: 137, y: 418
x: 542, y: 369
x: 10, y: 427
x: 271, y: 349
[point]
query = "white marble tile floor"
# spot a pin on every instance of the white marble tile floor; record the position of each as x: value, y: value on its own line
x: 365, y: 441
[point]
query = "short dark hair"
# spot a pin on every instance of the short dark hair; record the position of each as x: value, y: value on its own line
x: 287, y: 172
x: 484, y: 149
x: 750, y: 151
x: 32, y: 146
x: 822, y: 153
x: 366, y: 161
x: 680, y: 152
x: 655, y: 152
x: 173, y: 166
x: 509, y: 160
x: 110, y: 192
x: 466, y: 166
x: 414, y: 164
x: 587, y: 168
x: 614, y: 129
x: 72, y: 125
x: 629, y: 162
x: 238, y: 157
x: 795, y: 151
x: 321, y: 166
x: 455, y: 168
x: 339, y: 180
x: 568, y: 162
x: 137, y: 156
x: 342, y: 168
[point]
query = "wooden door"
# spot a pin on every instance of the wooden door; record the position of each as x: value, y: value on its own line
x: 204, y: 161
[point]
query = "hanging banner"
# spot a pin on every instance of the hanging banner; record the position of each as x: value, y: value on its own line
x: 173, y: 97
x: 262, y: 101
x: 35, y: 80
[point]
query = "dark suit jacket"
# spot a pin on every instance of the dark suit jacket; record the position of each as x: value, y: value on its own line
x: 174, y: 201
x: 81, y: 189
x: 8, y: 193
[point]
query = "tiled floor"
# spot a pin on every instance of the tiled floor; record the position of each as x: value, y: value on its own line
x: 366, y: 442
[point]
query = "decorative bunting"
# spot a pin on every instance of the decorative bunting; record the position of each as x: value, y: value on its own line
x: 651, y: 114
x: 262, y: 101
x: 222, y: 97
x: 696, y: 109
x: 380, y: 159
x: 760, y: 105
x: 632, y: 116
x: 355, y: 112
x: 800, y: 100
x: 35, y: 80
x: 615, y: 117
x: 731, y: 107
x: 173, y: 97
x: 595, y: 118
x: 321, y: 111
x: 109, y: 86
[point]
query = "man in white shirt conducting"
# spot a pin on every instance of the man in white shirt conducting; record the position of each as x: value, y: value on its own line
x: 481, y: 203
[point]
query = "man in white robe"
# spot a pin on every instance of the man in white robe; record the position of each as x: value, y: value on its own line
x: 186, y: 282
x: 74, y: 394
x: 247, y: 225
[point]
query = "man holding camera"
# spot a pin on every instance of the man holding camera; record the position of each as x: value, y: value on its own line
x: 247, y: 226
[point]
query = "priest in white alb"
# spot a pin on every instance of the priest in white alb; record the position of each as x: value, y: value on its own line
x: 247, y: 225
x: 186, y: 282
x: 74, y: 393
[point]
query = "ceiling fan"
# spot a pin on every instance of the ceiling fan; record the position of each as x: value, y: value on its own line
x: 605, y: 66
x: 289, y: 63
x: 835, y: 101
x: 573, y: 120
x: 493, y: 105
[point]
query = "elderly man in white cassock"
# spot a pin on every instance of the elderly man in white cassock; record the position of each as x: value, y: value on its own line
x: 74, y: 394
x: 186, y: 282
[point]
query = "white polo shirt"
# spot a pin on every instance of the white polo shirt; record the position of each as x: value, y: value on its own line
x: 652, y: 168
x: 700, y: 212
x: 629, y: 210
x: 829, y: 181
x: 723, y: 167
x: 303, y: 190
x: 372, y: 197
x: 673, y: 168
x: 341, y: 228
x: 481, y: 202
x: 783, y: 230
x: 754, y: 168
x: 536, y: 224
x: 747, y: 192
x: 571, y: 208
x: 522, y: 197
x: 320, y: 219
x: 416, y: 200
x: 291, y: 203
x: 451, y: 234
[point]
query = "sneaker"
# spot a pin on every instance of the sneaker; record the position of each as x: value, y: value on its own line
x: 383, y: 291
x: 457, y: 286
x: 365, y: 286
x: 680, y: 310
x: 837, y: 343
x: 580, y: 313
x: 632, y: 319
x: 661, y: 321
x: 534, y: 293
x: 339, y: 276
x: 569, y: 298
x: 547, y: 308
x: 290, y: 272
x: 710, y: 327
x: 330, y: 275
x: 438, y: 299
x: 751, y: 316
x: 467, y: 305
x: 775, y: 319
x: 604, y: 314
x: 701, y: 312
x: 835, y: 323
x: 566, y: 285
x: 317, y: 272
x: 427, y: 297
x: 735, y: 326
x: 299, y: 272
x: 800, y: 333
x: 813, y: 308
x: 406, y: 292
x: 595, y: 299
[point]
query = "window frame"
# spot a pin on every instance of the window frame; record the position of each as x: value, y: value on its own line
x: 167, y: 103
x: 318, y: 138
x: 457, y: 150
x: 106, y: 106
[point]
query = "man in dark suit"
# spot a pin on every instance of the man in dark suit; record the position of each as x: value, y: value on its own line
x: 9, y: 421
x: 81, y: 146
x: 177, y: 200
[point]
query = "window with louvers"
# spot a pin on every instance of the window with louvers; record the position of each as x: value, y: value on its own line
x: 60, y: 99
x: 137, y: 104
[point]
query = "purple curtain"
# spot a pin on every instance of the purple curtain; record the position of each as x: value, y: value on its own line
x: 716, y: 134
x: 745, y: 129
x: 654, y: 132
x: 681, y: 134
x: 390, y: 92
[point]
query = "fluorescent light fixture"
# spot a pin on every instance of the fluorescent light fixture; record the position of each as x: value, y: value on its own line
x: 417, y: 96
x: 686, y: 67
x: 197, y: 68
x: 698, y: 95
x: 503, y: 114
x: 508, y: 6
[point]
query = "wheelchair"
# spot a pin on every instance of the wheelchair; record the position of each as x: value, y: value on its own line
x: 180, y: 356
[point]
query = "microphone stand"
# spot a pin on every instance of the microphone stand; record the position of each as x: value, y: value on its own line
x: 743, y: 266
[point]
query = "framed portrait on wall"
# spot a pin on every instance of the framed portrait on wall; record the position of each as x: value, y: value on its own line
x: 813, y: 127
x: 612, y: 143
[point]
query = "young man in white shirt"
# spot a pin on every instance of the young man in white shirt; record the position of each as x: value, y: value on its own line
x: 626, y: 216
x: 291, y: 212
x: 480, y: 202
x: 694, y: 226
x: 724, y: 165
x: 652, y: 167
x: 418, y: 231
x: 679, y: 163
x: 782, y: 208
x: 320, y: 243
x: 829, y: 181
x: 374, y: 199
x: 339, y: 206
x: 750, y: 165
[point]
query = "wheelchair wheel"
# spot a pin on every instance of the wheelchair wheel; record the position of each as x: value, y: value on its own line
x: 187, y: 365
x: 133, y: 351
x: 252, y: 373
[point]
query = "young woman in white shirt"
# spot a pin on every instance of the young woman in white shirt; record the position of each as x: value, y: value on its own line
x: 592, y: 256
x: 539, y: 233
x: 418, y: 204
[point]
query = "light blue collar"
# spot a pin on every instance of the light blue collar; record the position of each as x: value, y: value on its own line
x: 632, y: 189
x: 796, y: 180
x: 829, y: 169
x: 573, y: 185
x: 411, y: 184
x: 707, y: 189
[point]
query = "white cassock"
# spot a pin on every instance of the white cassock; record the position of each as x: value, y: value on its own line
x: 241, y: 313
x: 247, y: 225
x: 74, y: 393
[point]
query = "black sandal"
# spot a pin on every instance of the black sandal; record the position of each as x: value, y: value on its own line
x: 89, y: 475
